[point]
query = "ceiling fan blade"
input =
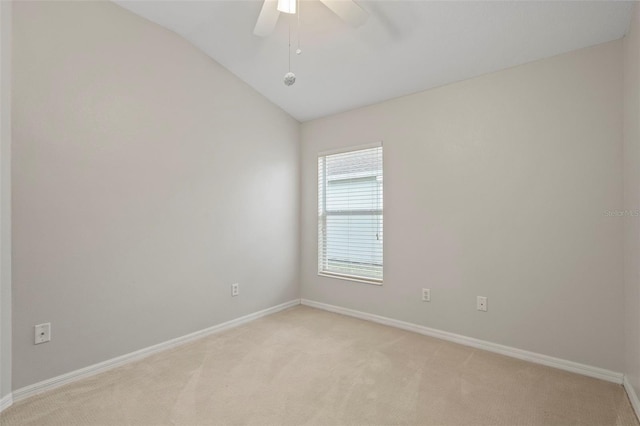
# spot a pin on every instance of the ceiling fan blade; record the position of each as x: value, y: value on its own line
x: 348, y: 10
x: 267, y: 19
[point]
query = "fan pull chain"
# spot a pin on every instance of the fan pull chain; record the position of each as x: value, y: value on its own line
x: 289, y: 51
x: 298, y: 50
x: 289, y: 78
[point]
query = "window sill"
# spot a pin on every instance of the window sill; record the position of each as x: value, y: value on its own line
x: 350, y: 278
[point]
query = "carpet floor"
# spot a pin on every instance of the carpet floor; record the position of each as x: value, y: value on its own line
x: 304, y: 366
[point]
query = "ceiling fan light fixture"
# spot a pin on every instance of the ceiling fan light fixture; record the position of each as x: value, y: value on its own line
x: 287, y: 6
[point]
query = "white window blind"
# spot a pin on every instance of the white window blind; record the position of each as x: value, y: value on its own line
x: 350, y: 214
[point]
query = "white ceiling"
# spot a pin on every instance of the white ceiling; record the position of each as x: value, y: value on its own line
x: 404, y: 47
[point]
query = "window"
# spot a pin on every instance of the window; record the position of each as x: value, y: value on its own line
x: 350, y: 214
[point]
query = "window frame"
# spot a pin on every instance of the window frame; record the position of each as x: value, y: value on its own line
x: 322, y: 215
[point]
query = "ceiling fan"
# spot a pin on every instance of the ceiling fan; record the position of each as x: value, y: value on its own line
x: 348, y: 10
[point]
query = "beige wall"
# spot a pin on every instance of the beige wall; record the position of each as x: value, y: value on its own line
x: 632, y: 198
x: 146, y: 180
x: 5, y: 198
x: 495, y: 186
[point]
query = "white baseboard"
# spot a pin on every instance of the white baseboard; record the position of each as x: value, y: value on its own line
x: 574, y: 367
x: 633, y: 396
x: 6, y: 402
x: 101, y: 367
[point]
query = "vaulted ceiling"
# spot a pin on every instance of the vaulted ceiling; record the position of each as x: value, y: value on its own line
x: 404, y: 46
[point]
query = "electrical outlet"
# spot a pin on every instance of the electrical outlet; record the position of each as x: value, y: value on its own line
x: 426, y: 295
x: 42, y: 333
x: 482, y: 303
x: 235, y: 289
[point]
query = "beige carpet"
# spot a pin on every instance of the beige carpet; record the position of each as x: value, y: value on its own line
x: 305, y: 366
